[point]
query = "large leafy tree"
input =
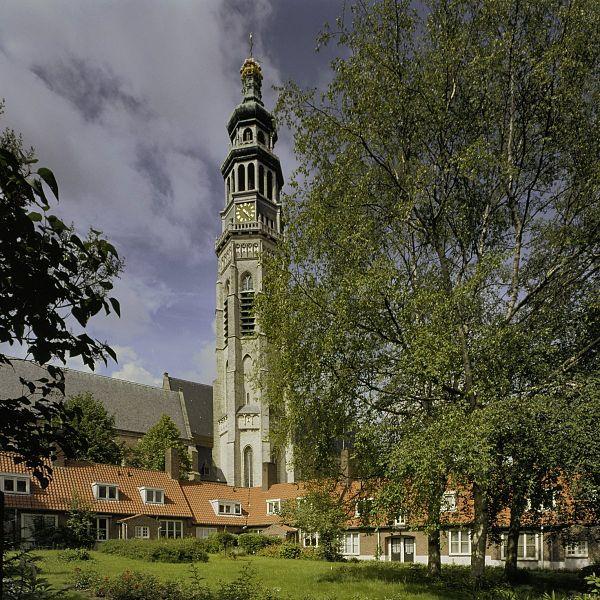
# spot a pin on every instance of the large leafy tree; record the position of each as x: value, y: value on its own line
x: 150, y: 450
x: 52, y: 282
x: 442, y: 246
x: 94, y: 430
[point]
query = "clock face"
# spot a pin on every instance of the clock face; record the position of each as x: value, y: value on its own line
x: 245, y: 212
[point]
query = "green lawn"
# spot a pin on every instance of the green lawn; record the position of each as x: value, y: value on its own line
x: 295, y: 579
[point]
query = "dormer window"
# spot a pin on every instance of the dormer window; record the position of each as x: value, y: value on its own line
x: 15, y: 484
x: 448, y: 502
x: 105, y: 491
x: 227, y: 508
x: 152, y: 495
x: 273, y: 507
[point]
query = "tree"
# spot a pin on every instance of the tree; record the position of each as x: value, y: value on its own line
x: 322, y: 511
x: 94, y: 430
x: 80, y: 525
x: 150, y: 450
x: 52, y: 282
x: 442, y: 240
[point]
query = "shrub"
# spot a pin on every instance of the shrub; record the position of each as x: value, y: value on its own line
x: 310, y: 554
x: 273, y: 551
x: 86, y: 579
x: 74, y: 554
x: 252, y: 543
x: 221, y: 541
x: 289, y: 550
x: 163, y: 550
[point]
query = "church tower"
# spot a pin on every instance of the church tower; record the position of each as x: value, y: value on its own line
x: 250, y: 226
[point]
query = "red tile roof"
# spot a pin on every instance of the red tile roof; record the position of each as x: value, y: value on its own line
x: 78, y: 477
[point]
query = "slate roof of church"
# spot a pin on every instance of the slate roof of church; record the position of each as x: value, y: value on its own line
x: 198, y: 399
x: 136, y: 406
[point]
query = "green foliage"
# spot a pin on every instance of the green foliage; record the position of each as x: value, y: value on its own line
x: 80, y: 522
x: 150, y: 450
x: 290, y: 550
x: 22, y: 580
x: 220, y: 542
x: 132, y: 585
x: 162, y: 550
x: 322, y: 511
x: 74, y: 555
x: 48, y: 274
x: 94, y: 430
x: 440, y: 262
x: 253, y: 542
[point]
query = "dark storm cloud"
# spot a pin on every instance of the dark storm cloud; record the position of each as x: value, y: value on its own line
x: 127, y: 101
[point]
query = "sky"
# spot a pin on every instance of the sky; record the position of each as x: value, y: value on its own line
x: 127, y: 102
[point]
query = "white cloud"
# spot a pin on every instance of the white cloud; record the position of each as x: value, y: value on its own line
x: 132, y: 368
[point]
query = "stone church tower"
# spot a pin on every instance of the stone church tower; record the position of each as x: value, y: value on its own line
x: 251, y: 226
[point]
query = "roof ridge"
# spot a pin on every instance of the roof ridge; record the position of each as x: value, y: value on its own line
x: 94, y: 374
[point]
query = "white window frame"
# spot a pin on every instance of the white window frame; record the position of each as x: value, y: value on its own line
x: 141, y: 532
x: 350, y: 544
x: 15, y: 480
x: 525, y: 535
x: 204, y: 532
x: 144, y: 491
x: 31, y: 539
x: 362, y: 503
x: 99, y: 529
x: 577, y: 549
x: 274, y: 506
x: 400, y: 521
x: 227, y: 508
x: 311, y: 538
x: 96, y: 489
x: 448, y: 501
x: 461, y: 534
x: 177, y: 528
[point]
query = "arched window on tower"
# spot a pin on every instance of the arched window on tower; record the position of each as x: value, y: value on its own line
x: 241, y: 178
x: 247, y: 372
x: 261, y: 180
x: 251, y: 185
x: 247, y: 305
x: 261, y: 137
x: 248, y: 467
x: 228, y: 188
x: 247, y: 135
x: 269, y: 185
x: 233, y: 180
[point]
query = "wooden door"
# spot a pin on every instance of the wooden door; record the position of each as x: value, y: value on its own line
x: 396, y: 549
x: 409, y: 549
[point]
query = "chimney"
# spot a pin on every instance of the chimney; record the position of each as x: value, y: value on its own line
x: 166, y: 381
x: 59, y: 458
x: 346, y: 466
x: 194, y: 471
x: 172, y: 463
x: 269, y: 475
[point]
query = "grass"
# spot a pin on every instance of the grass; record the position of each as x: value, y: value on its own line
x: 295, y: 579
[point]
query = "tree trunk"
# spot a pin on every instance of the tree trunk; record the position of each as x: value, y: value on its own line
x: 479, y: 536
x: 434, y: 556
x: 510, y: 564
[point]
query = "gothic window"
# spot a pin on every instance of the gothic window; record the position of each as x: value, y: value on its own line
x: 241, y: 178
x: 248, y: 467
x: 261, y: 137
x: 247, y: 371
x: 269, y: 185
x: 247, y: 305
x: 251, y: 176
x: 261, y: 180
x: 228, y: 188
x: 247, y: 136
